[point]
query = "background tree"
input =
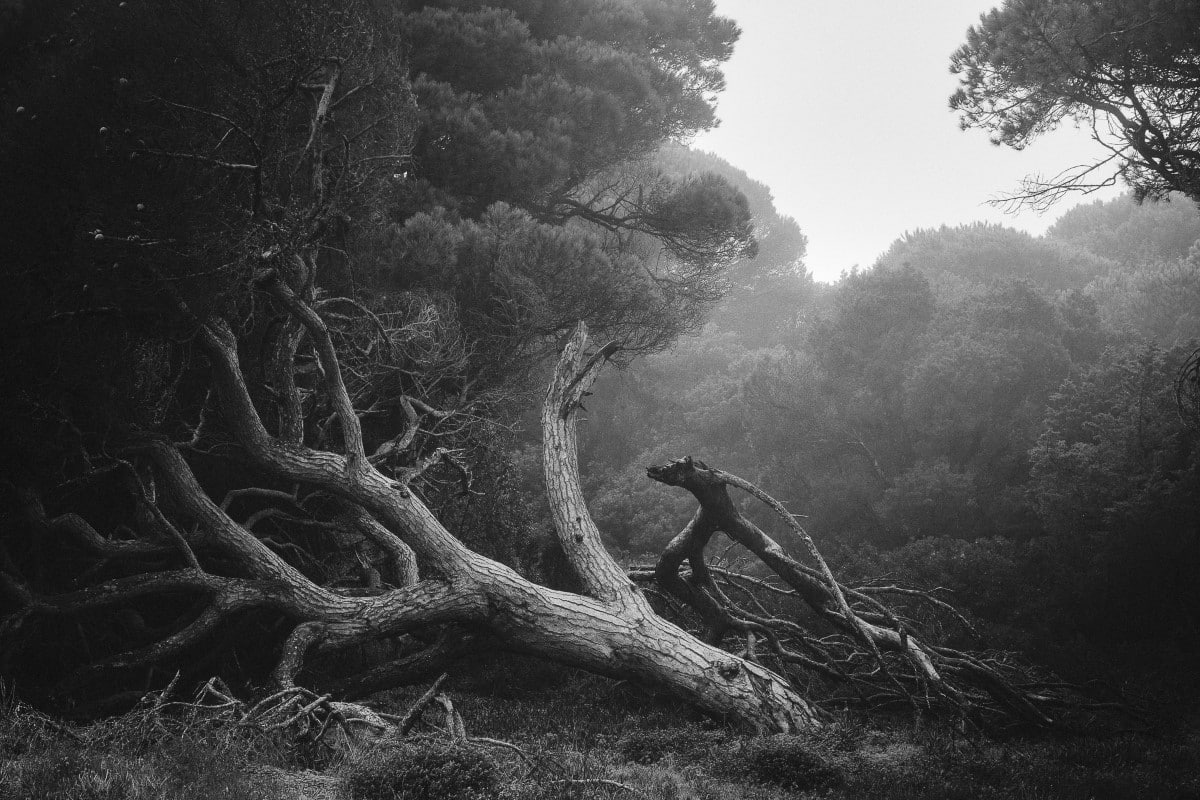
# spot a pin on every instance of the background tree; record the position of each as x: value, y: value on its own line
x: 556, y: 110
x: 1128, y: 71
x: 1130, y: 233
x: 958, y: 258
x: 1114, y: 478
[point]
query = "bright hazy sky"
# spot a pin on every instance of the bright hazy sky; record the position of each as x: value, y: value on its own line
x: 841, y: 107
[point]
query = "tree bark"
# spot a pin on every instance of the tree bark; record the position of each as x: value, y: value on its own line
x: 439, y: 584
x: 610, y: 629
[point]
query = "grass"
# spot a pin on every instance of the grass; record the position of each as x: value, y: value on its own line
x: 599, y: 729
x: 135, y: 757
x: 589, y: 739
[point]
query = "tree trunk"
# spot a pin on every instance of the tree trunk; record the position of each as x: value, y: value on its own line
x: 441, y: 585
x: 609, y: 629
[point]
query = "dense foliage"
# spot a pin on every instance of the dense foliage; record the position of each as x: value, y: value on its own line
x: 498, y: 199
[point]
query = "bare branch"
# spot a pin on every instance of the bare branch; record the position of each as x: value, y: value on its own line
x: 413, y: 715
x: 197, y: 157
x: 83, y: 533
x: 327, y: 355
x: 602, y: 577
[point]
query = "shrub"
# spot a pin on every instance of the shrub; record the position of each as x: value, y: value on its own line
x: 648, y: 747
x: 138, y: 756
x: 784, y: 761
x: 65, y: 775
x: 420, y: 771
x: 651, y: 746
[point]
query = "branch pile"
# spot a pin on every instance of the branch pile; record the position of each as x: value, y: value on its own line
x: 868, y: 653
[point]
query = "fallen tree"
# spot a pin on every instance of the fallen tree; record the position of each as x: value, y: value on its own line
x: 609, y: 627
x: 217, y: 423
x: 874, y: 653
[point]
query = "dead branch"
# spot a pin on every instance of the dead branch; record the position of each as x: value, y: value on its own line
x: 453, y: 723
x: 955, y: 676
x: 413, y: 715
x: 82, y: 533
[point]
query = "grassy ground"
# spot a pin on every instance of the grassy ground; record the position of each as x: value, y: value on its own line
x: 583, y: 738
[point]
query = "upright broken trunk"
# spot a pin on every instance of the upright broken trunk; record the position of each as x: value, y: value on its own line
x: 657, y: 651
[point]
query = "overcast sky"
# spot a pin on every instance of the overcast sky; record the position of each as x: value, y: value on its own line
x: 842, y: 109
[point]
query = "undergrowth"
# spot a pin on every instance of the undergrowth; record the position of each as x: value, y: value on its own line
x: 422, y: 770
x: 139, y: 756
x: 580, y: 738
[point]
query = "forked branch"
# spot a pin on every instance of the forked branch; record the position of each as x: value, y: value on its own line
x: 958, y: 678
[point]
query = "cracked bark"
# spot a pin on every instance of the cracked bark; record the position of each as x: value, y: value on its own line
x: 610, y: 628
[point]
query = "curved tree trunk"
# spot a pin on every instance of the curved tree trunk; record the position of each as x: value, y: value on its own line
x: 440, y: 585
x: 650, y: 647
x: 609, y: 628
x: 437, y: 586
